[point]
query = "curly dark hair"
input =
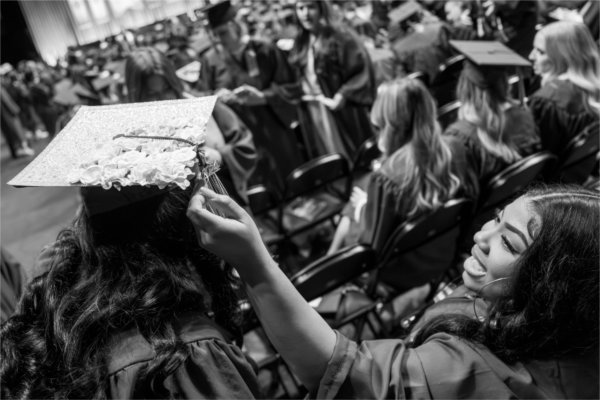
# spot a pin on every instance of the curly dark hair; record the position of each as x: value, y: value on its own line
x: 552, y: 307
x: 137, y: 266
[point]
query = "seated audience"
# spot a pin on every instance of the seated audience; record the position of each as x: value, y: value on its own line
x: 537, y: 266
x: 567, y: 60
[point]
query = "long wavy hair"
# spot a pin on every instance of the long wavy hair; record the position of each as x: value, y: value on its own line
x: 138, y: 266
x: 550, y: 309
x: 143, y: 63
x: 327, y: 27
x: 406, y: 114
x: 573, y: 55
x: 484, y: 109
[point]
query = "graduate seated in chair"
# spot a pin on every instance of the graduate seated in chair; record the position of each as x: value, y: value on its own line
x: 420, y: 169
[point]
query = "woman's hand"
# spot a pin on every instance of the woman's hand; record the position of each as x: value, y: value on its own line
x: 250, y: 96
x: 212, y: 155
x: 358, y: 199
x: 234, y: 237
x: 334, y: 104
x: 227, y: 96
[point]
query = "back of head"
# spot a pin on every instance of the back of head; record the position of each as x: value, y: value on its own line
x: 483, y: 93
x: 410, y: 136
x: 404, y: 111
x: 137, y: 266
x: 144, y: 63
x: 571, y: 50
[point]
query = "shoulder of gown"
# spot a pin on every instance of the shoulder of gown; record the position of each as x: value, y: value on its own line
x: 213, y: 368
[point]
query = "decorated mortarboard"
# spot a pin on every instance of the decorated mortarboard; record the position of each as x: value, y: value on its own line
x: 190, y: 72
x: 219, y: 13
x: 126, y: 152
x: 404, y: 12
x: 487, y: 61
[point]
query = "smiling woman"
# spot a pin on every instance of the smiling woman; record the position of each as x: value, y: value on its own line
x: 498, y: 244
x: 543, y: 247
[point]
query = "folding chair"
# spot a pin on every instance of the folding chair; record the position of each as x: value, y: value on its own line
x: 363, y: 162
x: 422, y: 250
x: 310, y: 195
x: 420, y: 75
x: 578, y: 160
x: 448, y: 113
x: 512, y: 180
x: 506, y: 185
x: 264, y: 205
x: 443, y: 86
x: 341, y: 306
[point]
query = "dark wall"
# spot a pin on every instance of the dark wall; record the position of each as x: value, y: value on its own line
x: 15, y: 40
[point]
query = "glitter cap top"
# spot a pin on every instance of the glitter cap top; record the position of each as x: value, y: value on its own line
x: 152, y: 144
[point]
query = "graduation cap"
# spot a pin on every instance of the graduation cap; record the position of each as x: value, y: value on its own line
x: 487, y: 61
x: 190, y: 72
x: 404, y: 12
x: 219, y: 13
x: 126, y: 152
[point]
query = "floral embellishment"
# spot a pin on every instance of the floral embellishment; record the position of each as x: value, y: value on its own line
x: 162, y: 156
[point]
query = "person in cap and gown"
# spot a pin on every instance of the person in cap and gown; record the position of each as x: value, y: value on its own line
x: 128, y: 306
x: 567, y: 59
x: 242, y: 71
x: 496, y: 129
x: 150, y: 76
x: 536, y: 266
x: 334, y: 82
x: 125, y: 304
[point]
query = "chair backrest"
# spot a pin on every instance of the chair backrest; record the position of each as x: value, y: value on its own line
x: 331, y: 272
x: 448, y: 113
x: 420, y: 75
x: 366, y: 153
x: 513, y: 179
x: 261, y: 200
x: 316, y: 174
x: 450, y: 69
x: 423, y: 249
x: 413, y: 234
x: 579, y: 158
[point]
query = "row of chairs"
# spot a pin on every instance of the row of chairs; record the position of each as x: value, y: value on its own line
x: 318, y: 190
x: 359, y: 310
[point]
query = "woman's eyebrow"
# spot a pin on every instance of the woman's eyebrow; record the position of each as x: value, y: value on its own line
x: 516, y: 231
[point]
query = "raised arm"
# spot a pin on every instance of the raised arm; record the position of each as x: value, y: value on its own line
x: 298, y: 332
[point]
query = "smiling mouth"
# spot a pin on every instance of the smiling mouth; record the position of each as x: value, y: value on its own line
x: 473, y: 267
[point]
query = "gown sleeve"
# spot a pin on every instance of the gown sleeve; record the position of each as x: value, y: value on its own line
x: 442, y: 367
x: 239, y: 153
x: 358, y: 84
